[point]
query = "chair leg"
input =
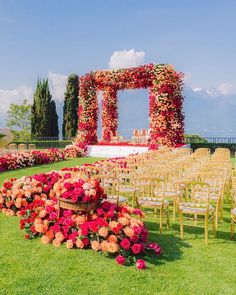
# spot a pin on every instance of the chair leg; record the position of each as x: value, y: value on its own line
x: 214, y: 224
x: 161, y: 220
x: 168, y: 217
x: 174, y: 210
x: 206, y: 230
x: 181, y: 226
x: 232, y: 227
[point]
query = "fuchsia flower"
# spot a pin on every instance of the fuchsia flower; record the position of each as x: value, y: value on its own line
x: 136, y: 248
x: 120, y: 259
x: 125, y: 243
x: 140, y: 264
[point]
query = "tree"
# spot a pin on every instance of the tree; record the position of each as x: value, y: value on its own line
x: 19, y: 120
x: 70, y: 116
x: 44, y: 121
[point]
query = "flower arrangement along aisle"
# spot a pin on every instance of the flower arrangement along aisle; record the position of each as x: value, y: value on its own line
x: 115, y: 230
x: 16, y: 160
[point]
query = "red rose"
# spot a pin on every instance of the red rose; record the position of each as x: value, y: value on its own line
x: 120, y: 259
x: 125, y: 243
x: 136, y: 248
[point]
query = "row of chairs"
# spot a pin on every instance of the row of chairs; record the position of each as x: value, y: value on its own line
x: 193, y: 184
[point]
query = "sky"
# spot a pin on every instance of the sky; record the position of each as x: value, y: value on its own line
x: 53, y: 38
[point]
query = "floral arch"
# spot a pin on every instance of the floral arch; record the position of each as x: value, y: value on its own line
x: 165, y: 102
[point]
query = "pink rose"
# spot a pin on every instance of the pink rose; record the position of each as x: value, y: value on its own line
x: 125, y: 243
x: 120, y: 259
x: 136, y: 248
x: 140, y: 264
x: 53, y: 216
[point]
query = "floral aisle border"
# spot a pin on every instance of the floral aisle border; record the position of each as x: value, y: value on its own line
x: 165, y: 102
x: 115, y: 230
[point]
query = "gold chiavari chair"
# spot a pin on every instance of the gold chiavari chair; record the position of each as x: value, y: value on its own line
x: 146, y: 199
x: 196, y: 207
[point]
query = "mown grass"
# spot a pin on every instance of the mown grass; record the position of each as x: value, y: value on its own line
x: 185, y: 267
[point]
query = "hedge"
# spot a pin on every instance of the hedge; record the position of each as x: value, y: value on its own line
x: 44, y: 144
x: 213, y: 146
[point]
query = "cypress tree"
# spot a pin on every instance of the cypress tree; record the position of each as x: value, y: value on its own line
x: 70, y: 116
x: 44, y: 120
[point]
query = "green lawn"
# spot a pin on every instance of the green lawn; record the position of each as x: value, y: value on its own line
x: 186, y: 267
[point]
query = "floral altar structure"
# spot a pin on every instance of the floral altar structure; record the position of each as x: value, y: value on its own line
x: 165, y: 103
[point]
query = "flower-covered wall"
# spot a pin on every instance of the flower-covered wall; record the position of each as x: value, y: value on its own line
x: 165, y: 102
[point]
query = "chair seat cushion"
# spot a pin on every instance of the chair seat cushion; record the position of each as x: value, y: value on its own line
x: 193, y: 208
x: 167, y: 194
x: 233, y: 211
x: 155, y: 202
x: 113, y: 199
x: 126, y: 189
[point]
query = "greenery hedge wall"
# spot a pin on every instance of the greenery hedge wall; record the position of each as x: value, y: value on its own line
x: 44, y: 144
x: 213, y: 146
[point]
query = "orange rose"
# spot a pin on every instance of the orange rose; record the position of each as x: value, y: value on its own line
x: 49, y: 234
x: 104, y: 246
x: 45, y: 240
x: 69, y: 244
x: 95, y: 245
x: 79, y: 244
x: 56, y: 243
x: 113, y: 247
x: 59, y: 236
x: 128, y: 231
x: 103, y: 231
x: 112, y: 239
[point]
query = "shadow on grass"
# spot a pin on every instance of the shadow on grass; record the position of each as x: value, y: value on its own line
x: 172, y: 246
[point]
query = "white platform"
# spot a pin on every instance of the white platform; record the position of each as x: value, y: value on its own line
x: 111, y: 151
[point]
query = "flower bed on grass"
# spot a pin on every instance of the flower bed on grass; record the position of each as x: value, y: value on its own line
x: 15, y: 160
x: 111, y: 229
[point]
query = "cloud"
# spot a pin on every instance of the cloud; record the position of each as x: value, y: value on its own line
x: 16, y: 95
x: 57, y: 84
x: 8, y: 96
x: 227, y: 88
x: 126, y: 59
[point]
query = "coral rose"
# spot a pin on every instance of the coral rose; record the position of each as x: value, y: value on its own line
x: 49, y: 234
x: 59, y: 236
x: 45, y: 240
x: 80, y: 219
x: 79, y: 244
x: 123, y: 221
x: 112, y: 238
x: 95, y: 245
x: 56, y: 243
x: 103, y: 231
x: 39, y: 228
x: 112, y: 224
x: 113, y: 247
x: 69, y: 244
x: 104, y: 246
x: 42, y: 213
x: 128, y: 231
